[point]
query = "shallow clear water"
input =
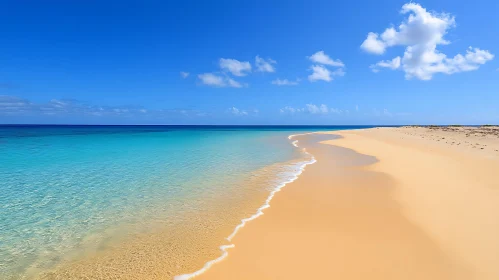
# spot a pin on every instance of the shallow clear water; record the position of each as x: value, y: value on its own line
x: 66, y: 187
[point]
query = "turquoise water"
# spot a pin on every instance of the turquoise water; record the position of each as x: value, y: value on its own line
x: 61, y: 186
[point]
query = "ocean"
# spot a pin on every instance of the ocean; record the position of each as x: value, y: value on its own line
x: 70, y: 192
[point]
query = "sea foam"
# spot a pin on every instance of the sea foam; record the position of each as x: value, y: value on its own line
x: 224, y: 248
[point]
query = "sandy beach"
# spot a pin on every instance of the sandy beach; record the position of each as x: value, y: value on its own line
x: 382, y: 203
x: 249, y: 140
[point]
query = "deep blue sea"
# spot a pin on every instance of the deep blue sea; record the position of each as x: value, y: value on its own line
x: 63, y: 188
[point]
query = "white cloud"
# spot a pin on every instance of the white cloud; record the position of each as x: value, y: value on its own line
x: 321, y: 58
x: 290, y: 110
x: 356, y: 108
x: 184, y: 74
x: 211, y: 79
x: 13, y: 103
x: 263, y: 65
x: 320, y: 73
x: 314, y: 109
x: 236, y: 67
x: 311, y: 109
x: 233, y: 83
x: 391, y: 64
x: 284, y: 82
x: 421, y: 33
x: 237, y: 112
x: 373, y: 45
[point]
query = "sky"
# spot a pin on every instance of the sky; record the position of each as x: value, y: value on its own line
x: 249, y: 62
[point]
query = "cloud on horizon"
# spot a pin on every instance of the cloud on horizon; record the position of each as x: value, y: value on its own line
x: 236, y: 112
x: 16, y: 106
x: 313, y: 109
x: 285, y: 82
x: 239, y: 112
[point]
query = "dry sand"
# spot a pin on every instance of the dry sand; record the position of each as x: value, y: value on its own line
x: 425, y: 209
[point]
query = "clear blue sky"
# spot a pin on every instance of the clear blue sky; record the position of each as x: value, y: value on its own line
x: 102, y: 62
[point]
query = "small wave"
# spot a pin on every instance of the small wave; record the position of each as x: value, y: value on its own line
x: 300, y: 134
x: 258, y: 213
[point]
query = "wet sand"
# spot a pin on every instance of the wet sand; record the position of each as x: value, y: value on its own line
x: 417, y: 210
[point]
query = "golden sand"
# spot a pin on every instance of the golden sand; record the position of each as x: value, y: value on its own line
x: 425, y: 210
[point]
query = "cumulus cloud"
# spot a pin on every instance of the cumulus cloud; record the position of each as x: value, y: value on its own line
x: 320, y: 72
x: 213, y: 80
x: 235, y: 67
x: 391, y: 64
x: 285, y: 82
x: 321, y: 58
x: 421, y: 33
x: 372, y: 44
x: 263, y: 65
x: 184, y: 74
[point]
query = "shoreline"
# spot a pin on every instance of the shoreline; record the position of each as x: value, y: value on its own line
x: 259, y: 212
x: 364, y: 211
x: 345, y: 217
x: 142, y: 256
